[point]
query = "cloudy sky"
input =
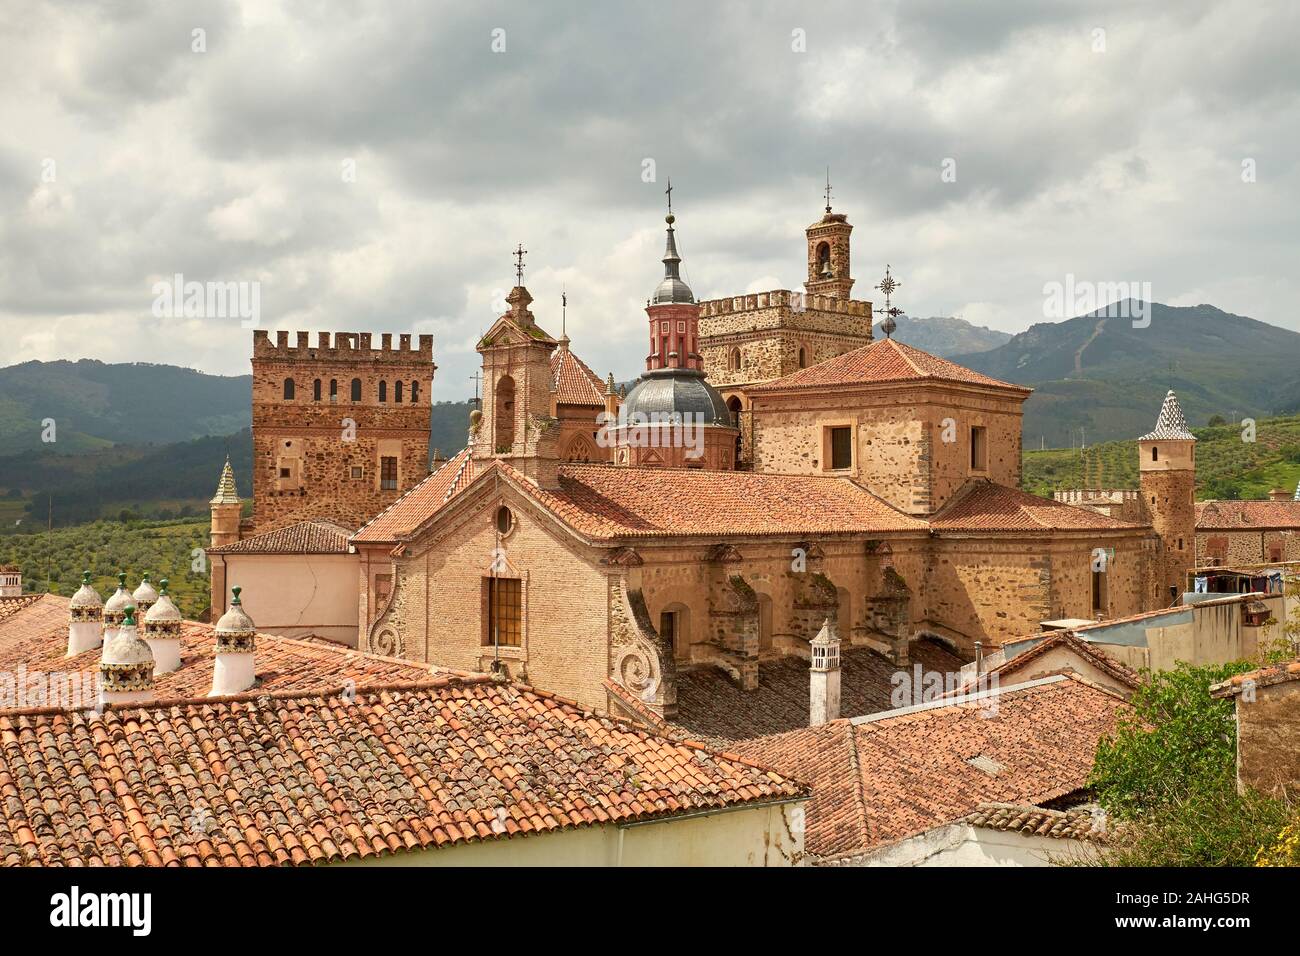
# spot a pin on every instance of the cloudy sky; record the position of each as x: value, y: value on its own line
x: 1103, y: 140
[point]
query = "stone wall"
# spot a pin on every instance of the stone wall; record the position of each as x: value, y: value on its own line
x: 900, y: 452
x: 1233, y: 548
x: 1268, y: 739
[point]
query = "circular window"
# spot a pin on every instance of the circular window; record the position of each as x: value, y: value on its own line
x: 505, y: 520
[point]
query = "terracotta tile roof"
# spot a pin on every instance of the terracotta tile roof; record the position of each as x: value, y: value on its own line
x: 1263, y: 677
x: 9, y: 606
x: 574, y: 382
x: 1120, y: 672
x: 882, y: 362
x: 712, y: 709
x: 282, y: 663
x: 307, y: 778
x: 1246, y: 515
x: 607, y: 501
x: 879, y: 779
x: 305, y: 537
x: 1039, y: 821
x: 419, y: 504
x: 981, y: 505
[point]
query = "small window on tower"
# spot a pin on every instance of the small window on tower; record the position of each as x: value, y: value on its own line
x: 397, y: 391
x: 415, y: 391
x: 334, y: 390
x: 383, y: 391
x: 356, y: 390
x: 803, y: 357
x: 1155, y: 453
x: 357, y: 471
x: 388, y: 474
x: 288, y: 389
x: 315, y: 391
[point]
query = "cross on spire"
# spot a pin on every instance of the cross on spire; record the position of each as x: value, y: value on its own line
x: 669, y: 193
x: 519, y: 264
x: 564, y: 313
x: 828, y: 189
x: 476, y: 378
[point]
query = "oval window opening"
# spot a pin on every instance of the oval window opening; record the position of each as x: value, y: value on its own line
x: 505, y: 520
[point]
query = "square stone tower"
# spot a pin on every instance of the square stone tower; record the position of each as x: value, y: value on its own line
x: 340, y: 430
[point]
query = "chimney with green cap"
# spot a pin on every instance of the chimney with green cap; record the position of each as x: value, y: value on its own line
x: 234, y: 670
x: 85, y: 618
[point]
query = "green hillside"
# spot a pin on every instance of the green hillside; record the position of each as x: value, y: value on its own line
x: 945, y: 335
x: 1108, y: 378
x: 94, y: 404
x: 165, y: 549
x: 1226, y: 466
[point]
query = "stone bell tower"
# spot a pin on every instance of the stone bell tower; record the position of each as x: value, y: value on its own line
x: 828, y: 253
x: 1167, y: 476
x: 517, y: 426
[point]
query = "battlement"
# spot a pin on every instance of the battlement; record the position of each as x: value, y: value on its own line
x: 784, y: 298
x: 1095, y: 496
x: 348, y: 347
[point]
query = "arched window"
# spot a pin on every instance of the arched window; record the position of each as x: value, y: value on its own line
x: 356, y: 390
x: 803, y: 357
x: 415, y: 391
x: 315, y: 391
x: 334, y: 390
x: 504, y: 428
x: 733, y: 404
x: 733, y: 360
x: 288, y: 390
x: 824, y: 259
x: 397, y: 391
x: 383, y: 391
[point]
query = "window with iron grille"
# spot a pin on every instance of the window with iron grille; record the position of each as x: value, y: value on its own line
x: 504, y: 612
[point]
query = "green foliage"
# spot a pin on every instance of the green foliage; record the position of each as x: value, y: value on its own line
x: 1226, y: 467
x: 1167, y: 777
x: 165, y: 549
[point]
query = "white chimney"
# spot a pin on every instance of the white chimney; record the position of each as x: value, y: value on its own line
x: 115, y: 608
x: 824, y: 675
x: 126, y: 667
x: 162, y: 630
x: 85, y: 618
x: 145, y: 596
x: 234, y: 671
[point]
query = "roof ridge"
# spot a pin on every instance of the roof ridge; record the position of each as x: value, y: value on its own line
x: 902, y: 352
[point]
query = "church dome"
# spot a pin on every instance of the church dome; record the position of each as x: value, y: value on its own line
x: 677, y: 392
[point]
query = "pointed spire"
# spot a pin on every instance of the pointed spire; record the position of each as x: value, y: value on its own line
x: 672, y: 288
x: 226, y: 491
x: 1171, y: 425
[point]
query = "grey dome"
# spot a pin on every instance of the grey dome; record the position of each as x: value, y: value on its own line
x: 674, y: 391
x: 672, y: 289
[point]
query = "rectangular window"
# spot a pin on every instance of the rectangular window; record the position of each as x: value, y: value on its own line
x: 356, y: 471
x: 1099, y: 591
x: 979, y: 452
x: 504, y: 612
x: 842, y: 447
x: 388, y: 474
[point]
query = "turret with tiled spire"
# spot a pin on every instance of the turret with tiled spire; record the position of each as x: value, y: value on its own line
x: 1167, y: 475
x: 162, y: 629
x: 85, y: 618
x: 225, y: 506
x: 824, y: 675
x: 234, y: 670
x: 126, y: 667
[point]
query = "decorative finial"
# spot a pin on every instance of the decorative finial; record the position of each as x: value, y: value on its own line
x: 235, y: 591
x: 85, y: 577
x: 162, y: 586
x: 670, y: 218
x: 887, y: 285
x: 519, y: 264
x: 609, y: 384
x: 828, y: 189
x: 129, y: 619
x: 121, y: 580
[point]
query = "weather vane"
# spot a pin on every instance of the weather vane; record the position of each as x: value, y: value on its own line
x: 519, y: 264
x: 887, y: 285
x: 828, y: 189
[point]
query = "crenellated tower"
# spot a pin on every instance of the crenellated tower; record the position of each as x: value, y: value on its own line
x: 341, y: 429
